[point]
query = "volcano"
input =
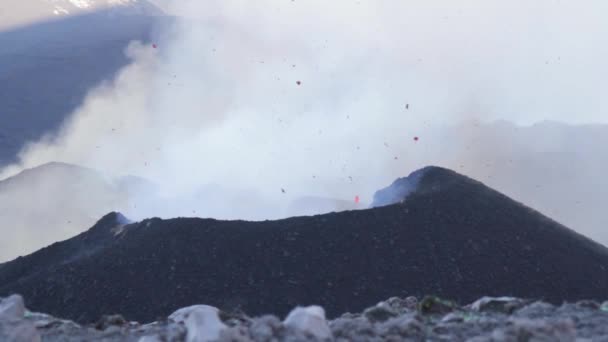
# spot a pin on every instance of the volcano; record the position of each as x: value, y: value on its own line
x: 451, y: 236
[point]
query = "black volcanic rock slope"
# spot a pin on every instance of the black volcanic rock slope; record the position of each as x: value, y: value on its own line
x: 452, y: 237
x: 55, y: 256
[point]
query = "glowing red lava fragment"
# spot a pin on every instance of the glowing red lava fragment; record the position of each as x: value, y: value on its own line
x: 298, y: 82
x: 357, y: 199
x: 154, y: 46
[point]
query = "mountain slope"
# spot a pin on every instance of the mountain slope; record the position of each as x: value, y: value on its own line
x: 451, y: 237
x: 47, y: 68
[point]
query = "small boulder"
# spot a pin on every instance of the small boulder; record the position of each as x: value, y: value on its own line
x: 310, y: 320
x: 12, y: 308
x: 202, y: 322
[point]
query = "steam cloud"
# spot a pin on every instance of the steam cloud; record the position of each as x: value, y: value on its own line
x: 218, y: 101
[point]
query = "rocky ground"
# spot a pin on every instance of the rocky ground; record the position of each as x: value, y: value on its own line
x: 409, y: 319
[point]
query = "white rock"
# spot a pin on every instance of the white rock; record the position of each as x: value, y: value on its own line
x: 309, y: 319
x: 202, y: 322
x: 12, y: 308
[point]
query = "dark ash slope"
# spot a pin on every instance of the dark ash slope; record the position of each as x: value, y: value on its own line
x: 452, y: 237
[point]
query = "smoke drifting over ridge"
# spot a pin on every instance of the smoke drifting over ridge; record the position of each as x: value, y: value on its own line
x: 218, y: 100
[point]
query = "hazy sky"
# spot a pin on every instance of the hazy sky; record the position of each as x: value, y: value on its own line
x: 518, y: 60
x: 218, y: 99
x: 221, y: 91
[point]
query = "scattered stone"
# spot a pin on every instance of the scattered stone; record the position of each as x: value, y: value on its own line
x: 443, y: 320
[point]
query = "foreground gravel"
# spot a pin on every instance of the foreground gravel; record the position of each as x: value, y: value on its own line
x: 409, y: 319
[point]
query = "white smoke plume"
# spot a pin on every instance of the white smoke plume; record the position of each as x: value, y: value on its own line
x: 291, y: 98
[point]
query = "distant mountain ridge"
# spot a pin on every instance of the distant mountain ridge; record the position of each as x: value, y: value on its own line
x: 15, y: 13
x: 453, y: 237
x: 48, y: 67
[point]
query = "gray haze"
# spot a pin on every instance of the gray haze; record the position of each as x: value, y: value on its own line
x: 218, y: 102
